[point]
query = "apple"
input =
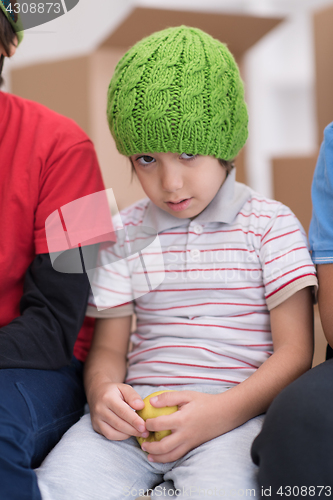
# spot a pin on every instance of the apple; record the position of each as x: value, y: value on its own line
x: 150, y: 411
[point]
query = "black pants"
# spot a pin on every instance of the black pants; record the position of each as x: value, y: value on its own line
x: 294, y: 450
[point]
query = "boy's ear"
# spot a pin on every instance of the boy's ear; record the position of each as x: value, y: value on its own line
x: 228, y: 165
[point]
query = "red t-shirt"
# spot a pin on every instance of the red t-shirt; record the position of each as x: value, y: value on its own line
x: 46, y: 162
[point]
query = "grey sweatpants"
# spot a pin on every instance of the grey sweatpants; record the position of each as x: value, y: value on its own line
x: 87, y: 466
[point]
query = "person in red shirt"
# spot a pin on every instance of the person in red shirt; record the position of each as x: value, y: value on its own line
x: 47, y: 161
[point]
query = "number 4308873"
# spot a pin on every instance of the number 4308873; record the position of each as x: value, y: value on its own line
x: 302, y: 491
x: 34, y: 8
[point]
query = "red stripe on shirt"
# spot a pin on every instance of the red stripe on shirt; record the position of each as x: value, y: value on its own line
x: 202, y: 304
x: 193, y: 365
x: 196, y: 269
x: 264, y: 201
x: 206, y: 289
x: 207, y: 325
x: 281, y: 236
x: 182, y: 377
x: 171, y: 233
x: 134, y: 354
x: 283, y: 255
x: 255, y: 215
x: 288, y: 272
x: 289, y: 282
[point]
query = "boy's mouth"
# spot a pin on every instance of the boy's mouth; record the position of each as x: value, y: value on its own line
x: 180, y: 205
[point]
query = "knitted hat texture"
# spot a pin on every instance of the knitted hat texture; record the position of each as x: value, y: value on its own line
x: 178, y: 90
x: 17, y: 26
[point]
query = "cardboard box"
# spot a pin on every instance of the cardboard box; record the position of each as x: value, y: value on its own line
x: 292, y: 180
x: 77, y: 87
x: 320, y: 341
x: 323, y: 47
x: 292, y: 177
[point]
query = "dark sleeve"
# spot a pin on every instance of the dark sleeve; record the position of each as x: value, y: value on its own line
x: 52, y: 308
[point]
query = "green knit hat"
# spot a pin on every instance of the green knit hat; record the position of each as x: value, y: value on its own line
x: 178, y: 90
x: 6, y: 7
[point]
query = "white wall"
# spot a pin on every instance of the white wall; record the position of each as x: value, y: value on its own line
x: 77, y: 32
x: 279, y: 69
x: 280, y: 94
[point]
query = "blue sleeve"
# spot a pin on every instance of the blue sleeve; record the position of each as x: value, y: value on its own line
x: 321, y: 227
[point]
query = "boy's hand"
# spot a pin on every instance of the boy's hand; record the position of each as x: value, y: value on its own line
x: 111, y: 409
x: 197, y: 420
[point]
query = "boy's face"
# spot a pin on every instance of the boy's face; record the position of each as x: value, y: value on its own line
x: 181, y: 184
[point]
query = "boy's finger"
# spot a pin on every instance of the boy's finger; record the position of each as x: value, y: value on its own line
x: 110, y: 433
x: 166, y: 457
x: 125, y: 423
x: 125, y: 428
x: 116, y: 411
x: 132, y: 398
x: 161, y: 448
x: 172, y: 398
x: 124, y: 413
x: 162, y: 423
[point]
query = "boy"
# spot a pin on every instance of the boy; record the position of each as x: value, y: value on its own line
x: 41, y: 310
x: 237, y: 281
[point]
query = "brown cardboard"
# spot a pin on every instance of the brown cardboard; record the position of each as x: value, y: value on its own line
x: 77, y: 87
x: 292, y: 186
x: 292, y: 179
x: 323, y: 46
x: 61, y: 85
x: 239, y: 32
x: 320, y: 342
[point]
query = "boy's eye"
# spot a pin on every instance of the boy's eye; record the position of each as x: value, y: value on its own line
x: 187, y: 156
x: 145, y: 160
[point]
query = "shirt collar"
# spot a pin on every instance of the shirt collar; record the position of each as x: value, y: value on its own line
x: 226, y: 204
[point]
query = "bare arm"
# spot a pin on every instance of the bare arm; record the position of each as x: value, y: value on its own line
x: 107, y: 356
x: 325, y: 299
x: 292, y: 333
x: 202, y: 417
x: 111, y: 402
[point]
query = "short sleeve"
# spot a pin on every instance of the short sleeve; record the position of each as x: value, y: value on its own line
x: 110, y: 285
x: 131, y: 267
x: 321, y: 227
x: 285, y: 258
x: 65, y: 178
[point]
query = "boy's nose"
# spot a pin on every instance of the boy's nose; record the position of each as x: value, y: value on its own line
x: 171, y: 177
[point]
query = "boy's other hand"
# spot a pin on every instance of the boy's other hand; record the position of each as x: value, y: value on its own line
x: 112, y: 415
x: 189, y: 425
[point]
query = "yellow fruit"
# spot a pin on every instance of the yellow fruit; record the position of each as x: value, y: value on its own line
x: 150, y: 411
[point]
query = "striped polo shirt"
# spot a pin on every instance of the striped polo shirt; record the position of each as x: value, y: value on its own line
x: 206, y: 317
